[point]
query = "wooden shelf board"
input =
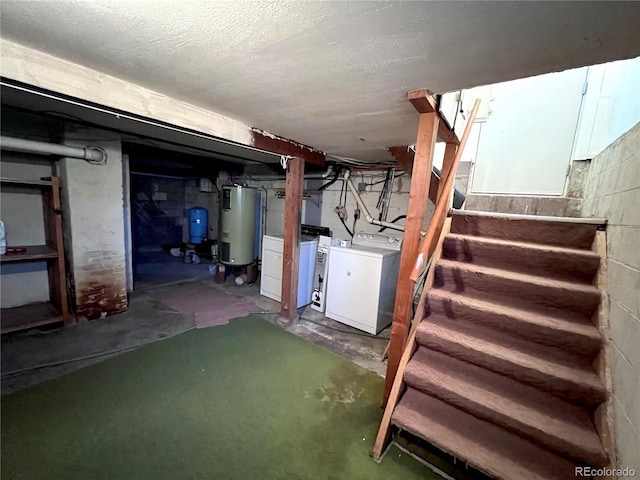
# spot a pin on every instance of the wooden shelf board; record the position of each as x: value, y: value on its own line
x: 34, y: 252
x: 22, y: 181
x: 28, y: 316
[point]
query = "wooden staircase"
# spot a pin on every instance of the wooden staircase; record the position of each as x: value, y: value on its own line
x: 503, y: 376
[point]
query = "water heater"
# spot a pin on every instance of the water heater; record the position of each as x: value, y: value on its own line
x: 238, y: 225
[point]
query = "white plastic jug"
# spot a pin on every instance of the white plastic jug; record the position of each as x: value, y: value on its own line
x: 3, y: 239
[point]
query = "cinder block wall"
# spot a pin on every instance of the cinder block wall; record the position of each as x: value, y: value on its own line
x: 93, y: 225
x: 612, y: 191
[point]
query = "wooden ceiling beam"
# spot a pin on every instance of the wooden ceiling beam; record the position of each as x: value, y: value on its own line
x: 425, y: 102
x: 404, y: 157
x: 284, y: 146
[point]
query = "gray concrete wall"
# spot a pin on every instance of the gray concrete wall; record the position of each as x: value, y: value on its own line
x: 612, y: 191
x: 21, y: 212
x: 525, y: 205
x: 93, y: 222
x: 569, y: 205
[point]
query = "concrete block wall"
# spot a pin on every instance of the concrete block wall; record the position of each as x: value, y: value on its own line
x: 21, y: 212
x: 158, y: 211
x: 93, y: 223
x: 275, y: 205
x: 399, y: 201
x: 319, y: 209
x: 612, y: 191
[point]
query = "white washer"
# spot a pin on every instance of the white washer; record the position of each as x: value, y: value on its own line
x: 362, y: 281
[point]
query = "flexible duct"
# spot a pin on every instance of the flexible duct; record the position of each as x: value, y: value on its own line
x: 93, y: 155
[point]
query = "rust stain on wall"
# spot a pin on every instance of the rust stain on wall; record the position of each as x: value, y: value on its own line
x: 100, y: 288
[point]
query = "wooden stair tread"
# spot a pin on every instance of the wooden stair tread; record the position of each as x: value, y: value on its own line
x: 491, y: 449
x: 518, y: 289
x: 540, y: 248
x: 570, y: 232
x: 578, y: 382
x: 520, y: 277
x: 548, y: 260
x: 525, y: 410
x: 570, y: 331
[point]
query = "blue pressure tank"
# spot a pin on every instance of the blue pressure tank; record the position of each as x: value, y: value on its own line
x: 198, y: 224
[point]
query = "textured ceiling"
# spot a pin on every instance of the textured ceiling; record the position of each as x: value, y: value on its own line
x: 332, y: 75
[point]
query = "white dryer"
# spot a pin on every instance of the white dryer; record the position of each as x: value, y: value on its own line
x: 362, y: 281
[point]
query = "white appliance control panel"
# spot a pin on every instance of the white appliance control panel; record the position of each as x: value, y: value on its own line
x: 377, y: 240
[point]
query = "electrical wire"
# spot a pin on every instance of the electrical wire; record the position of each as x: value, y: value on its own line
x: 345, y: 225
x: 382, y: 181
x: 95, y: 355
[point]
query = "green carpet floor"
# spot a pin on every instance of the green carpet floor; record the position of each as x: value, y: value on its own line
x: 242, y: 401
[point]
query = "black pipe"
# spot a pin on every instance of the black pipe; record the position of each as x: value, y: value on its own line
x: 332, y: 181
x: 345, y: 225
x: 399, y: 217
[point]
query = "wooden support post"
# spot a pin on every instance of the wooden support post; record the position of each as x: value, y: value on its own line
x: 447, y: 163
x: 418, y: 195
x: 442, y: 205
x: 291, y: 255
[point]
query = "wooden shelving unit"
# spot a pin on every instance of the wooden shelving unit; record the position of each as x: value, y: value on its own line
x: 52, y: 252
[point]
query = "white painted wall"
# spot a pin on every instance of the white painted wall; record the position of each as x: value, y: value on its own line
x: 331, y: 199
x: 93, y: 224
x: 538, y: 125
x: 21, y: 212
x: 526, y: 143
x: 275, y: 205
x: 320, y: 209
x: 611, y: 106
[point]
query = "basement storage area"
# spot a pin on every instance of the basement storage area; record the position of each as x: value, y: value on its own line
x: 174, y: 215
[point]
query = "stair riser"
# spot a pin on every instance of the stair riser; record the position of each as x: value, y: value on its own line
x: 561, y: 387
x: 542, y: 334
x: 486, y: 412
x: 516, y: 292
x: 559, y: 265
x: 572, y: 235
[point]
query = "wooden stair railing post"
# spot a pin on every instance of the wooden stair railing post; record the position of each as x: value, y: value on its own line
x: 442, y: 206
x: 447, y: 164
x: 416, y: 210
x: 398, y: 383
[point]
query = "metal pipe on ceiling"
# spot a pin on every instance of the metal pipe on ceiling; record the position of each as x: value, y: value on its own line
x: 93, y: 155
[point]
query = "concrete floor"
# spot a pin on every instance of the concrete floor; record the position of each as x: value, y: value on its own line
x: 149, y: 320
